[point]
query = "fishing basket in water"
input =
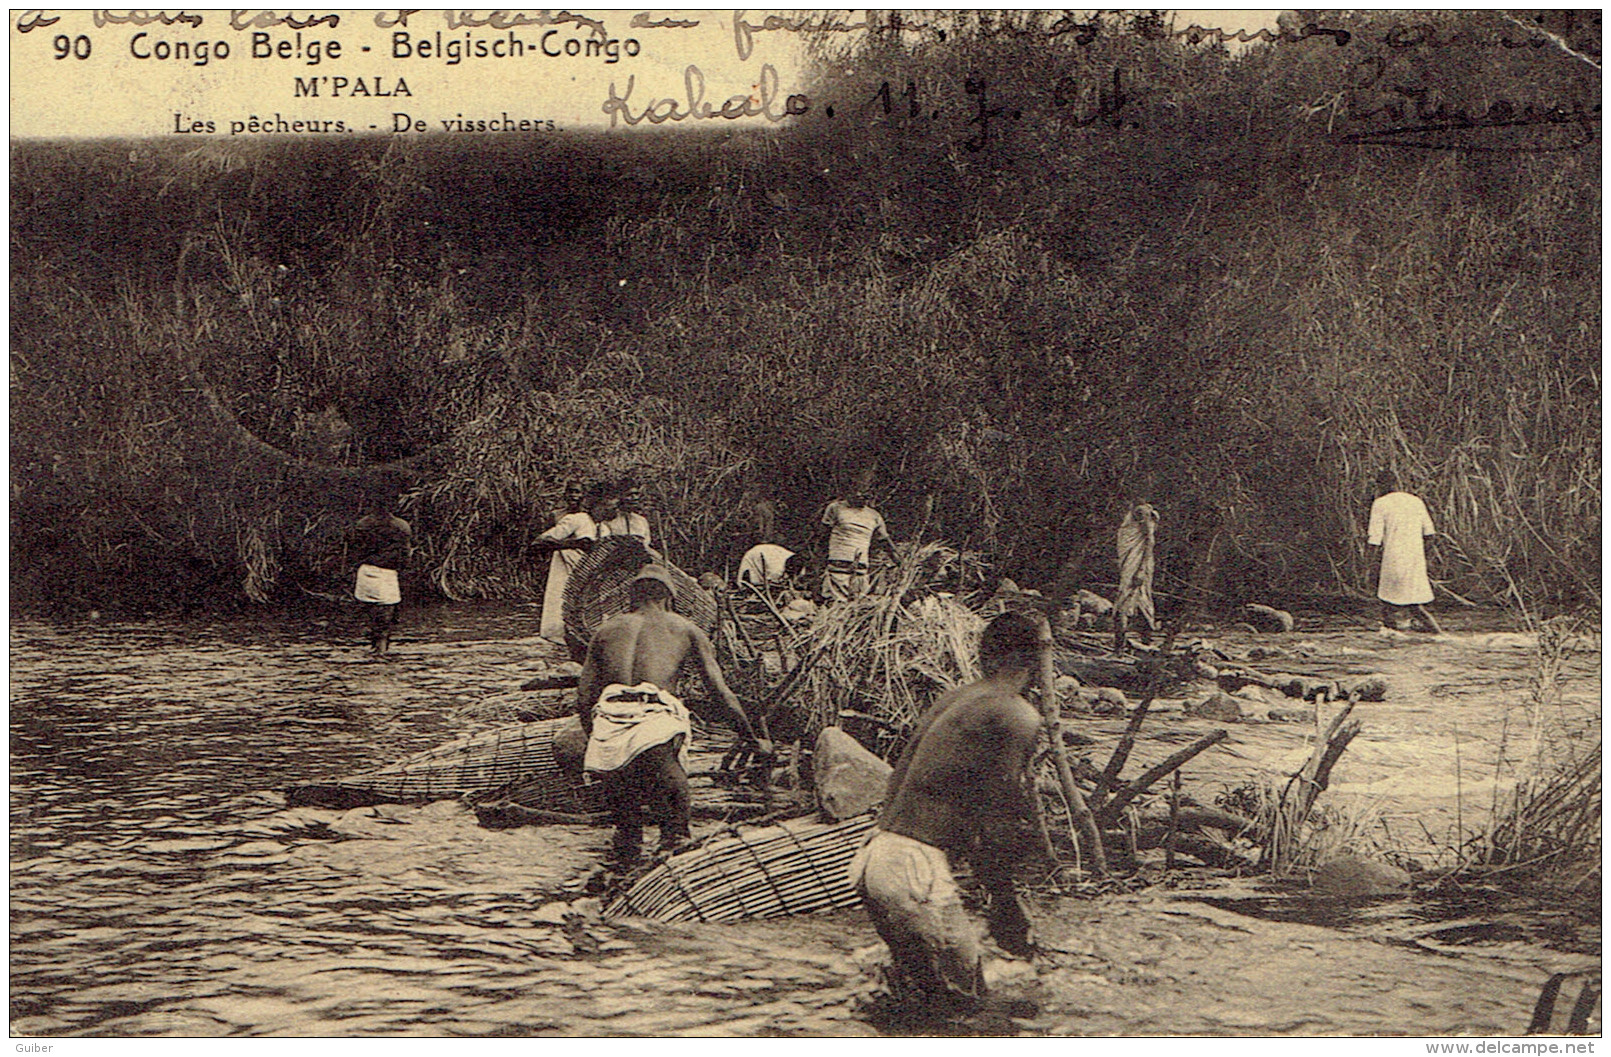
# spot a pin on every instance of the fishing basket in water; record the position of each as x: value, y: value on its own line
x: 797, y: 867
x: 480, y: 764
x: 598, y: 589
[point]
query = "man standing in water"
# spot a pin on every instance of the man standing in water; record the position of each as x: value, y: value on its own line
x: 961, y: 787
x: 637, y: 728
x: 382, y: 543
x: 567, y: 542
x: 1399, y: 524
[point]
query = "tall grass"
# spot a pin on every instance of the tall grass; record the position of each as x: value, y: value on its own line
x: 1546, y: 829
x: 1216, y: 304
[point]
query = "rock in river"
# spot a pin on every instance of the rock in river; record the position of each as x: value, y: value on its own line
x: 850, y: 779
x: 1355, y: 877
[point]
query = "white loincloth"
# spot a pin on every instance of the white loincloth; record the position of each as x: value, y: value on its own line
x: 629, y: 719
x: 377, y: 585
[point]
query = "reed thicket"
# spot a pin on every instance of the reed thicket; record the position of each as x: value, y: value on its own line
x: 1178, y: 273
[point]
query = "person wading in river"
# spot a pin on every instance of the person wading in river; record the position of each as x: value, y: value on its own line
x: 1399, y: 524
x: 637, y: 729
x: 961, y: 787
x: 382, y: 543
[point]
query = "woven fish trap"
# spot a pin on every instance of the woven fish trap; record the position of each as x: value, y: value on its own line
x: 478, y: 764
x: 547, y: 790
x: 599, y: 585
x: 797, y: 867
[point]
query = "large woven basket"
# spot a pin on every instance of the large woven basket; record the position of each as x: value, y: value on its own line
x: 598, y: 589
x: 798, y: 867
x: 480, y: 764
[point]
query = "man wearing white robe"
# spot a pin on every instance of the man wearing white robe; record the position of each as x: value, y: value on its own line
x: 568, y: 540
x: 1399, y: 524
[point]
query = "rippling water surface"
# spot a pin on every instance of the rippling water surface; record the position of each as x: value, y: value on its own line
x: 160, y: 886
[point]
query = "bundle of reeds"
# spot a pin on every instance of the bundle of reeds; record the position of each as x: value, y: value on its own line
x: 887, y: 653
x: 477, y: 764
x: 796, y: 867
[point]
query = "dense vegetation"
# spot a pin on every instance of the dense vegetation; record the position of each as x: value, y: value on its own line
x: 1233, y: 282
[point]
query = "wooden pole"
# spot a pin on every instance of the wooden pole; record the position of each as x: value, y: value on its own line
x: 1111, y: 812
x: 1174, y: 824
x: 1051, y: 719
x: 1121, y: 754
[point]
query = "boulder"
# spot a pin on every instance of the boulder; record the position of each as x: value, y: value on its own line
x: 1305, y: 689
x: 1268, y: 618
x: 1370, y: 688
x: 1261, y: 697
x: 1110, y: 701
x: 1355, y: 877
x: 1093, y: 603
x: 850, y: 780
x: 1216, y: 706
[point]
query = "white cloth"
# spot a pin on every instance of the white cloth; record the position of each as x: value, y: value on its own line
x: 1136, y: 541
x: 576, y: 525
x: 630, y: 719
x: 377, y: 585
x: 633, y: 524
x: 763, y: 564
x: 1398, y: 524
x: 912, y: 897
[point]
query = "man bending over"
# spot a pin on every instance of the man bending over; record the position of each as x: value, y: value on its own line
x: 961, y: 787
x: 637, y: 728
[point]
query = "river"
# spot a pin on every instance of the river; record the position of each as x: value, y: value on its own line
x: 161, y: 887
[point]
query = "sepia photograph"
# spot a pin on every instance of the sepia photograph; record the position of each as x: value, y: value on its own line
x: 806, y: 524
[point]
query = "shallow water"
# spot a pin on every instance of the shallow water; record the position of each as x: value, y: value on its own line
x: 160, y: 886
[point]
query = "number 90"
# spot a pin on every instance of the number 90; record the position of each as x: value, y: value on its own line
x: 75, y: 47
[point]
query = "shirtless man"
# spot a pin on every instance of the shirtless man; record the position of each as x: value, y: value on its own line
x: 962, y: 787
x: 636, y: 727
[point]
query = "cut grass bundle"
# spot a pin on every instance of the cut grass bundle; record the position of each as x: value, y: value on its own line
x: 887, y: 654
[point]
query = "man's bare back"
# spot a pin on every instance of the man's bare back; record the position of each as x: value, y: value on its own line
x: 648, y: 645
x: 644, y: 646
x: 963, y: 775
x: 963, y: 785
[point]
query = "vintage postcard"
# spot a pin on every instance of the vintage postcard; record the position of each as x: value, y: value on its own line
x: 831, y: 524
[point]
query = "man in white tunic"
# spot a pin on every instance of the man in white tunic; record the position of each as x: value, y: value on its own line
x: 1399, y: 524
x: 568, y: 540
x: 853, y: 527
